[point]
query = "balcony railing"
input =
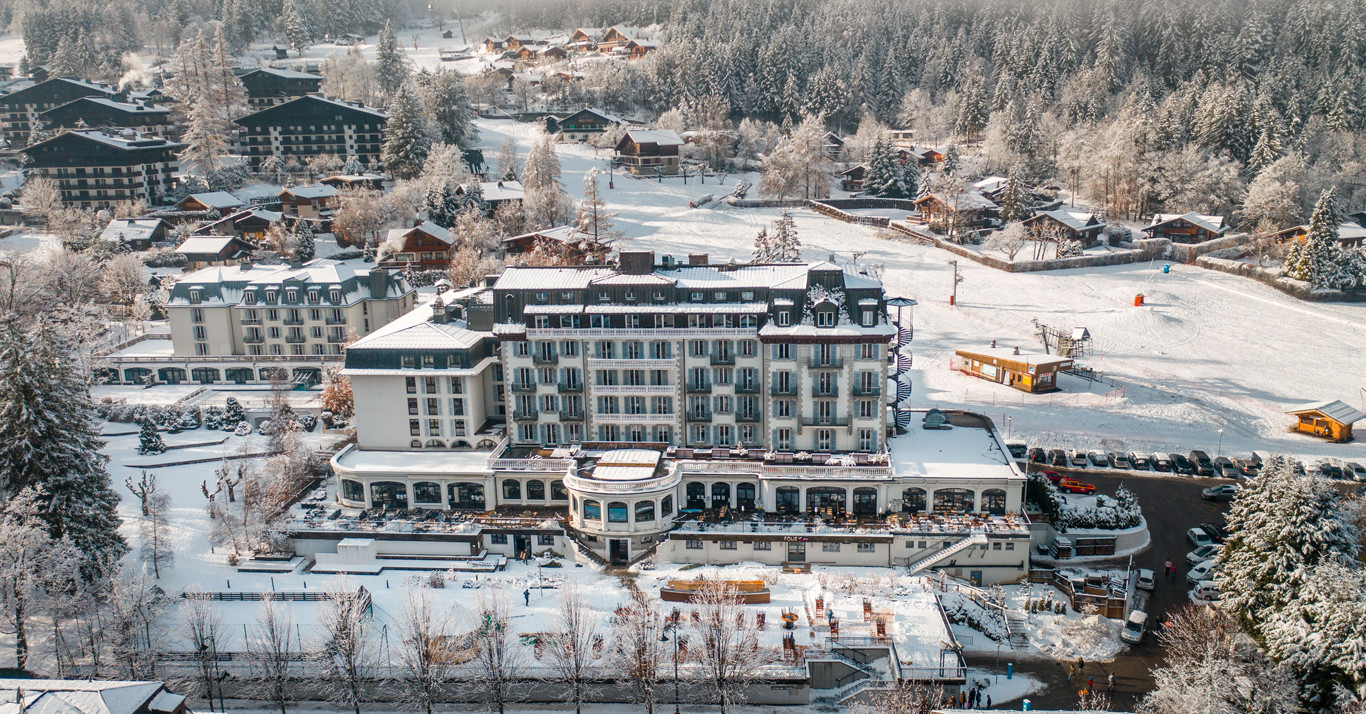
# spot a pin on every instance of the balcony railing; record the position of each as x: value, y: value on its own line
x: 545, y: 358
x: 523, y: 387
x: 571, y: 415
x: 723, y: 358
x: 254, y: 339
x: 747, y: 417
x: 251, y: 320
x: 570, y: 386
x: 862, y: 390
x: 825, y: 421
x: 336, y: 339
x: 698, y: 415
x: 699, y: 388
x: 293, y: 321
x: 827, y: 363
x: 828, y: 390
x: 783, y: 390
x: 337, y: 320
x: 295, y: 339
x: 747, y: 388
x: 521, y: 415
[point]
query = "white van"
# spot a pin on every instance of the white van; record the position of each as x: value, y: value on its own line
x: 1134, y: 626
x: 1206, y: 591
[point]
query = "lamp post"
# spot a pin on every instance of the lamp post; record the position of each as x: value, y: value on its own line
x: 1220, y: 451
x: 664, y: 637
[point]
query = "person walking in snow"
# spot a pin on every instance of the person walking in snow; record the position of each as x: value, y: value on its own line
x: 1071, y: 670
x: 1081, y: 665
x: 526, y: 595
x: 1090, y: 684
x: 1171, y: 569
x: 1112, y: 682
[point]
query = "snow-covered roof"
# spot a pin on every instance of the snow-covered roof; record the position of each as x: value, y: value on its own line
x: 1033, y: 359
x: 1214, y: 224
x: 991, y: 184
x: 60, y: 696
x: 283, y: 73
x: 564, y: 234
x: 630, y: 32
x: 204, y: 245
x: 396, y: 235
x: 135, y: 107
x: 1336, y: 410
x: 966, y: 200
x: 317, y: 190
x: 1074, y: 219
x: 1347, y: 231
x: 427, y: 461
x: 598, y: 112
x: 121, y: 230
x: 126, y: 142
x: 660, y: 137
x: 502, y: 190
x: 957, y: 452
x: 217, y: 199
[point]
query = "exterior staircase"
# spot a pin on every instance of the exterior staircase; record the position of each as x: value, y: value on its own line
x: 949, y: 552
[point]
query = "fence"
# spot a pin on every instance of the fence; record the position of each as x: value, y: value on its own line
x: 837, y: 214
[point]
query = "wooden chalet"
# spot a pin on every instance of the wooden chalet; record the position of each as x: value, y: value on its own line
x: 552, y: 54
x: 965, y: 210
x: 1186, y: 227
x: 516, y: 42
x: 834, y: 143
x: 425, y: 246
x: 901, y: 137
x: 268, y: 86
x: 99, y: 112
x: 620, y: 36
x: 1067, y: 224
x: 495, y: 193
x: 637, y: 49
x: 366, y: 180
x: 851, y: 179
x: 584, y: 40
x: 135, y: 234
x: 204, y: 251
x: 316, y: 202
x: 582, y: 124
x: 1350, y: 234
x: 493, y: 44
x: 251, y: 224
x: 566, y: 241
x: 993, y: 187
x: 1026, y: 371
x: 649, y: 151
x: 1326, y: 420
x: 926, y: 156
x: 220, y: 201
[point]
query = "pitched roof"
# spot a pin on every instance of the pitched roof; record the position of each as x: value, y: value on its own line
x: 416, y: 330
x: 60, y: 696
x: 283, y: 73
x: 991, y: 184
x: 563, y: 234
x: 427, y: 227
x: 596, y: 112
x: 1336, y: 410
x: 116, y: 141
x: 208, y: 245
x: 292, y: 106
x: 317, y: 190
x: 129, y: 107
x: 1076, y: 220
x: 1213, y: 224
x: 966, y: 200
x: 502, y: 190
x: 1007, y: 353
x: 216, y: 199
x: 661, y: 137
x: 80, y: 83
x: 630, y: 32
x: 130, y: 229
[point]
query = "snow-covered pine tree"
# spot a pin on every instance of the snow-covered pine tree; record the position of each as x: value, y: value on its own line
x: 305, y: 248
x: 1013, y: 199
x: 49, y: 440
x: 1316, y: 260
x: 911, y: 178
x: 786, y: 248
x: 406, y: 139
x: 443, y: 205
x: 593, y: 219
x: 950, y: 164
x: 354, y: 166
x: 507, y: 161
x: 879, y: 178
x: 233, y: 414
x: 65, y: 61
x: 1267, y: 150
x: 224, y: 89
x: 391, y: 65
x: 298, y: 26
x: 763, y: 247
x: 447, y: 103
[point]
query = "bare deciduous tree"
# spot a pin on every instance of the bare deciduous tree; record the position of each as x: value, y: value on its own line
x: 31, y: 563
x: 728, y: 652
x: 499, y: 657
x: 575, y: 653
x: 272, y: 653
x: 123, y: 279
x: 638, y: 651
x: 426, y: 647
x: 205, y: 632
x: 156, y: 547
x: 1009, y: 240
x: 136, y: 629
x: 908, y: 697
x: 345, y: 652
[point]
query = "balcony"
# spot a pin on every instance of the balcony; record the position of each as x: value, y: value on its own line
x: 523, y: 387
x: 829, y: 390
x: 574, y: 415
x: 825, y: 421
x: 520, y: 415
x: 570, y: 386
x: 864, y: 390
x: 747, y: 388
x: 545, y: 358
x: 827, y: 363
x: 294, y: 321
x: 727, y: 358
x: 337, y: 320
x: 295, y: 339
x: 750, y: 417
x: 699, y: 388
x: 783, y: 390
x: 336, y: 339
x: 698, y: 415
x: 254, y: 339
x: 251, y: 320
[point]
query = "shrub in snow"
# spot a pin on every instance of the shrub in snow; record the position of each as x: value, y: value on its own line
x: 242, y: 429
x: 149, y: 441
x: 213, y: 418
x: 266, y: 427
x: 1108, y: 514
x: 307, y: 421
x: 436, y: 579
x: 326, y: 418
x: 233, y: 413
x: 963, y: 611
x: 1069, y: 248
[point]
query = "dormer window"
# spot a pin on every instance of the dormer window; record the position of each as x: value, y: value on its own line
x: 698, y: 297
x: 249, y: 298
x: 784, y: 318
x: 313, y: 296
x: 604, y: 296
x: 194, y: 296
x: 408, y: 362
x: 719, y: 296
x: 567, y: 297
x: 271, y: 297
x: 747, y: 295
x: 867, y: 318
x: 659, y: 296
x: 825, y: 318
x: 291, y: 296
x: 334, y: 295
x: 630, y: 295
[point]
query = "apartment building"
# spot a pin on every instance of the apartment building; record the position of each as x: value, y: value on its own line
x: 20, y: 109
x: 94, y: 169
x: 787, y: 357
x: 109, y: 114
x: 240, y: 323
x: 269, y: 86
x: 311, y: 126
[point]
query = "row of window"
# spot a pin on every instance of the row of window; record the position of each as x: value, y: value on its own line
x: 393, y: 494
x: 620, y: 512
x: 697, y: 544
x: 258, y: 350
x: 431, y: 385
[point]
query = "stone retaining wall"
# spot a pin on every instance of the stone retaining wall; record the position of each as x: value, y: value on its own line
x: 1272, y: 277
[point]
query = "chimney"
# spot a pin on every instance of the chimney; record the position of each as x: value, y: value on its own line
x: 438, y: 311
x: 417, y: 222
x: 697, y: 259
x: 637, y: 262
x: 245, y: 264
x: 379, y: 280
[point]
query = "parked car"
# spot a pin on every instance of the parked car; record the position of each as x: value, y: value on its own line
x: 1216, y: 532
x: 1203, y: 570
x: 1198, y: 537
x: 1057, y: 457
x: 1247, y: 468
x: 1222, y: 492
x: 1206, y: 590
x: 1161, y: 463
x: 1204, y: 465
x: 1203, y: 553
x: 1036, y: 455
x: 1072, y: 485
x: 1182, y: 465
x: 1139, y: 462
x: 1134, y: 626
x: 1225, y: 467
x: 1099, y: 458
x: 1051, y: 475
x: 1078, y: 458
x: 1330, y: 469
x: 1146, y: 580
x: 1017, y: 449
x: 1118, y: 460
x: 1357, y: 471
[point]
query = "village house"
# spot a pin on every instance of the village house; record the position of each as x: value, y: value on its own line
x: 268, y: 86
x: 957, y: 211
x: 581, y: 125
x: 347, y: 181
x: 1326, y: 420
x: 425, y: 246
x: 204, y: 251
x: 493, y: 44
x: 220, y: 201
x: 619, y: 36
x: 135, y: 233
x: 111, y: 115
x: 584, y: 39
x: 97, y: 170
x: 315, y: 202
x: 993, y: 187
x: 904, y: 138
x: 311, y: 126
x: 1067, y: 224
x: 251, y: 224
x: 652, y: 151
x: 1350, y: 234
x: 568, y: 242
x: 851, y: 179
x: 516, y: 42
x: 834, y: 143
x: 20, y: 110
x: 495, y: 193
x: 1026, y: 371
x: 1186, y: 227
x: 636, y: 49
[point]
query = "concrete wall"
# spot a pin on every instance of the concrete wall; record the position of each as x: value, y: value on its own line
x: 1145, y: 249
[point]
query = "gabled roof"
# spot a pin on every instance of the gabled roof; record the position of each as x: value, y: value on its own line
x: 293, y: 106
x: 855, y: 169
x: 499, y: 190
x: 660, y: 137
x: 317, y: 190
x: 126, y: 107
x: 966, y: 200
x: 282, y: 73
x: 124, y: 230
x: 595, y: 112
x: 991, y: 184
x: 211, y: 245
x: 58, y: 696
x: 1347, y: 231
x: 46, y: 84
x: 629, y: 32
x: 114, y: 141
x: 1036, y: 359
x: 261, y: 213
x: 427, y: 227
x: 1076, y: 220
x: 1213, y: 224
x: 1336, y: 410
x: 216, y: 199
x: 564, y: 234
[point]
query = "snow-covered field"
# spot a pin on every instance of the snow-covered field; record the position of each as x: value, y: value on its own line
x: 1207, y: 351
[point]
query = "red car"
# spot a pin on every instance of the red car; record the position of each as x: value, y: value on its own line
x: 1072, y: 485
x: 1053, y: 476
